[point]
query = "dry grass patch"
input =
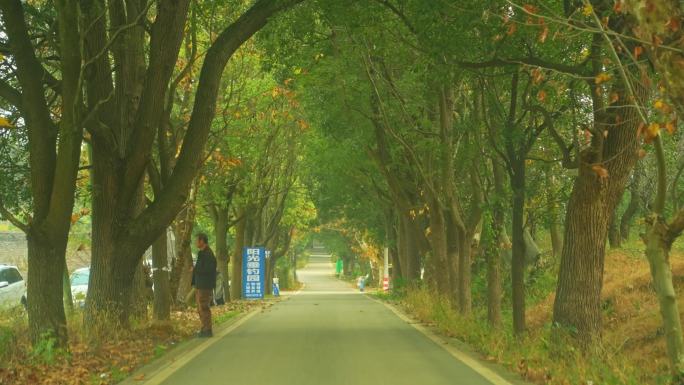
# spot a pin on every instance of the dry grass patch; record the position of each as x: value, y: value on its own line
x: 633, y: 348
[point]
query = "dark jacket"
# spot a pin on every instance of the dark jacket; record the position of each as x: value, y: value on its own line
x: 204, y: 273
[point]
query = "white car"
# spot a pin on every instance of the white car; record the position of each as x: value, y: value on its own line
x: 12, y: 287
x: 79, y: 285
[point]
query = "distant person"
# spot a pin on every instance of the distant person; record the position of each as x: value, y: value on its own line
x: 204, y: 281
x: 361, y: 283
x: 276, y: 286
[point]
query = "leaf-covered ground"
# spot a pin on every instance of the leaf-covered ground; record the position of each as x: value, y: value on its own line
x: 97, y: 360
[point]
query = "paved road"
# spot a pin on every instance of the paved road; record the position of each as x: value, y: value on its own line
x: 329, y: 334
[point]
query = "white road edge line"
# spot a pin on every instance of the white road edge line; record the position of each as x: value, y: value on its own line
x: 167, y: 371
x: 482, y: 370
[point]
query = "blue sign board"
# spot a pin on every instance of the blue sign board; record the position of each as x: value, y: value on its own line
x: 253, y: 271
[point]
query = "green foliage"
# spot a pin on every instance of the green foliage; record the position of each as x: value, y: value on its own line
x: 222, y: 318
x: 46, y: 351
x: 7, y: 339
x: 14, y: 169
x: 159, y: 350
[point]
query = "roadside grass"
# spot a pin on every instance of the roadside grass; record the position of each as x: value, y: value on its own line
x: 537, y: 357
x: 224, y: 317
x: 632, y: 351
x: 104, y: 355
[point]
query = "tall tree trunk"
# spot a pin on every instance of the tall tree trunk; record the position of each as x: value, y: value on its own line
x: 139, y: 294
x: 578, y: 296
x: 103, y: 263
x: 183, y: 268
x: 464, y: 272
x: 554, y: 225
x: 270, y: 273
x: 44, y: 291
x: 556, y: 236
x: 494, y: 249
x: 518, y: 240
x: 577, y: 306
x: 395, y: 272
x: 111, y: 283
x: 438, y: 242
x: 181, y: 275
x: 412, y: 235
x: 402, y: 247
x: 614, y: 237
x: 236, y: 281
x: 658, y: 239
x: 185, y: 274
x: 160, y: 277
x: 393, y: 244
x: 222, y: 254
x: 453, y: 260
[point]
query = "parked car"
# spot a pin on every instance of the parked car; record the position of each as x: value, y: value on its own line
x: 12, y: 287
x: 79, y: 285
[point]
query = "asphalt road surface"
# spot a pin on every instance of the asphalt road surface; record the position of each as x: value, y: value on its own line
x: 327, y: 334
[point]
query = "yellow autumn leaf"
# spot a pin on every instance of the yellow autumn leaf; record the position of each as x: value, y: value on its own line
x: 652, y: 131
x: 4, y: 122
x: 662, y: 106
x: 602, y: 77
x: 670, y: 127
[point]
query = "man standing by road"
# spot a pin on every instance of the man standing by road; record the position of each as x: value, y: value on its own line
x: 204, y: 281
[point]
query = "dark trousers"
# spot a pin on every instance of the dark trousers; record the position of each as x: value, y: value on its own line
x: 203, y: 298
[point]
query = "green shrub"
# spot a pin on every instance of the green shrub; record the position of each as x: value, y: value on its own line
x: 7, y: 342
x: 45, y: 350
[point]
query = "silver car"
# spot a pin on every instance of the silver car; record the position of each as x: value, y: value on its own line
x: 12, y: 287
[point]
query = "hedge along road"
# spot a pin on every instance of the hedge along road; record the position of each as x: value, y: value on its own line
x: 328, y: 334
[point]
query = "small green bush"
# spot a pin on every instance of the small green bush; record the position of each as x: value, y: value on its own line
x: 45, y: 350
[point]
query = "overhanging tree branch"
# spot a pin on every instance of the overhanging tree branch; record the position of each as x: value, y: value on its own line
x: 12, y: 219
x: 577, y: 70
x: 10, y: 94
